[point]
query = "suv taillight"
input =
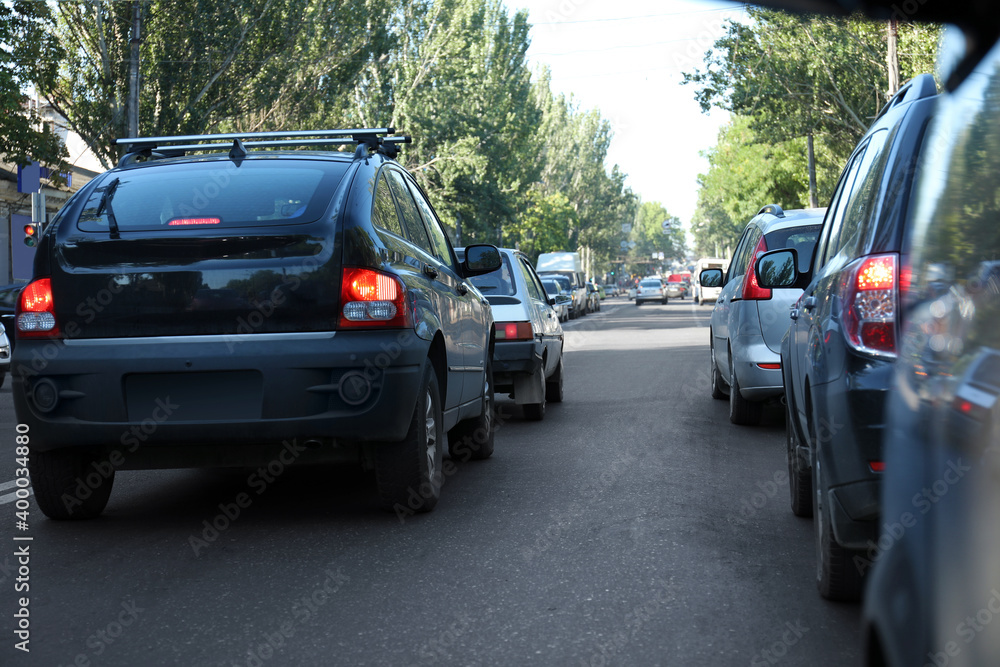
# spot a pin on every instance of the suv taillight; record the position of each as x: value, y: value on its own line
x: 36, y: 314
x: 869, y: 297
x: 370, y: 298
x: 751, y: 290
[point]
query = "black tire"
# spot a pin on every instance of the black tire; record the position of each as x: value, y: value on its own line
x: 3, y: 376
x: 638, y: 303
x: 837, y: 576
x: 71, y: 484
x: 408, y: 473
x: 472, y: 439
x: 536, y: 411
x: 717, y: 392
x: 799, y: 474
x: 741, y: 411
x: 664, y: 301
x: 554, y: 385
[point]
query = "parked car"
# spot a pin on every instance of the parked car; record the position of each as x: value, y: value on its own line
x: 934, y: 582
x: 593, y: 298
x: 352, y: 332
x: 4, y: 354
x: 527, y: 357
x: 839, y: 351
x: 562, y: 299
x: 612, y: 290
x: 650, y: 289
x: 8, y: 304
x: 748, y: 321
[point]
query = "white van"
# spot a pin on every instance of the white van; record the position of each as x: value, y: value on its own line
x: 708, y: 294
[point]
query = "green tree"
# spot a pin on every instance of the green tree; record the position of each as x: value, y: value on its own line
x: 245, y: 64
x: 544, y: 227
x: 647, y: 238
x: 29, y: 56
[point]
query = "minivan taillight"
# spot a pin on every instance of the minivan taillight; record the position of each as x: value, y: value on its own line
x: 370, y: 298
x: 869, y: 298
x: 36, y: 314
x: 751, y: 290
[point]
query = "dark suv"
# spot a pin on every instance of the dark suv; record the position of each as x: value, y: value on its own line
x: 193, y: 307
x: 837, y: 356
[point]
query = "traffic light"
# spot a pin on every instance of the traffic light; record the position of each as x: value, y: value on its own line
x: 31, y: 232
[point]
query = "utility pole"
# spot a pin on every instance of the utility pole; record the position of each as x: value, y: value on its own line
x: 813, y: 196
x: 892, y: 56
x: 133, y: 78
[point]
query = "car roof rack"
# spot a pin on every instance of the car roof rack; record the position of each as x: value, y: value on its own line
x: 369, y: 140
x: 917, y: 88
x: 773, y: 209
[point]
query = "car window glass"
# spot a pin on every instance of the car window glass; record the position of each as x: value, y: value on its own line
x: 835, y: 215
x: 802, y: 239
x: 863, y: 196
x: 534, y: 289
x: 499, y: 282
x: 742, y: 256
x: 438, y: 239
x: 384, y: 213
x: 414, y: 225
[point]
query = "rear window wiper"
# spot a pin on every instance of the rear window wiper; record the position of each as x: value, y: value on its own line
x: 109, y: 194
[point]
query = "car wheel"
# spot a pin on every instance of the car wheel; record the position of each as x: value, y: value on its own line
x: 71, y: 483
x: 663, y: 301
x: 638, y: 303
x: 717, y: 392
x: 696, y: 301
x: 408, y: 473
x: 3, y: 376
x: 837, y: 577
x: 554, y: 385
x: 473, y: 439
x: 536, y: 411
x: 741, y: 411
x: 799, y: 474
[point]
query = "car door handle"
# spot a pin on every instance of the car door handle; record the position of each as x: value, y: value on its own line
x: 463, y: 289
x: 430, y: 272
x: 809, y: 303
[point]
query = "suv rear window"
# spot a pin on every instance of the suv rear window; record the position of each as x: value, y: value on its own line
x: 215, y: 194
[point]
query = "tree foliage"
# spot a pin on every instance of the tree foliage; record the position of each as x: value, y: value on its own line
x: 29, y: 56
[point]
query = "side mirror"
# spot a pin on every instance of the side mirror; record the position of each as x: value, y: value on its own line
x: 481, y: 258
x: 564, y: 298
x: 551, y: 300
x: 777, y: 269
x: 711, y: 278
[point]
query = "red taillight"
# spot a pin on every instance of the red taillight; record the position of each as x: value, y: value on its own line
x: 869, y: 298
x: 751, y: 290
x: 514, y: 331
x: 371, y: 298
x: 770, y: 367
x: 36, y: 314
x: 877, y: 466
x: 183, y: 222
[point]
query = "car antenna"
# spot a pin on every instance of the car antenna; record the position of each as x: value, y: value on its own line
x: 238, y: 152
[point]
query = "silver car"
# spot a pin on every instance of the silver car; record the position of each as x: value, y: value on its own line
x: 748, y: 321
x: 650, y: 289
x: 563, y: 299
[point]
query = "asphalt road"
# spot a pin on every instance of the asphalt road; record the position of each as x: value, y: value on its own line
x: 633, y: 526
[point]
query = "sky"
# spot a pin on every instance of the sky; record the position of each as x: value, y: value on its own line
x: 625, y: 59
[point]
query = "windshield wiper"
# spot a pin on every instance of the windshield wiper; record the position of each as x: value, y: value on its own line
x: 109, y: 194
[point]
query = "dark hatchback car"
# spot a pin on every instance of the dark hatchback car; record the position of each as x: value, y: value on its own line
x: 200, y: 308
x: 837, y: 356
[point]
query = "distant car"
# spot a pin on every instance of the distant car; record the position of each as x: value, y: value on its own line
x: 553, y: 290
x: 748, y: 322
x: 839, y: 354
x: 676, y: 289
x: 650, y: 289
x: 8, y: 305
x: 527, y: 356
x: 4, y: 354
x: 578, y: 300
x: 593, y: 298
x: 611, y: 290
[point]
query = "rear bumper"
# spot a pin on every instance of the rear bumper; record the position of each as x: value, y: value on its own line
x: 515, y: 358
x: 756, y: 383
x: 217, y: 391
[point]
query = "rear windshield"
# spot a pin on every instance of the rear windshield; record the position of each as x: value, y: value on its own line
x: 214, y: 194
x: 802, y: 239
x: 496, y: 283
x: 650, y: 283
